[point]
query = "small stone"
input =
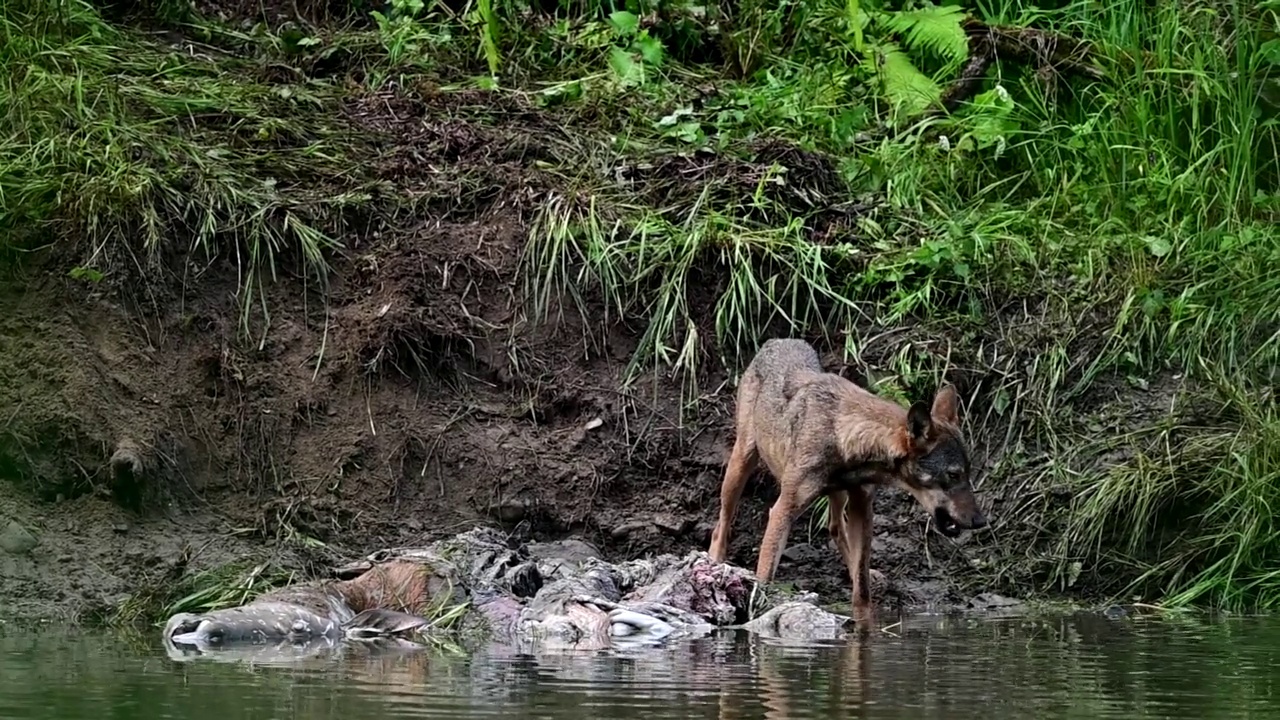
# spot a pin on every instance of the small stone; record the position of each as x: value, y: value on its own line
x: 879, y: 582
x: 572, y: 551
x: 121, y: 528
x: 801, y: 553
x: 17, y: 540
x: 992, y: 600
x: 1115, y: 612
x: 624, y: 530
x: 511, y: 511
x: 671, y: 524
x: 704, y: 530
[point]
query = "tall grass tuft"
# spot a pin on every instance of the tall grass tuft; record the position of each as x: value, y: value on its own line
x: 129, y: 149
x: 1169, y: 162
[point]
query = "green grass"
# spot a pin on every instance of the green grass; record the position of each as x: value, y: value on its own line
x: 221, y: 587
x: 1171, y: 162
x: 1080, y: 247
x: 136, y: 149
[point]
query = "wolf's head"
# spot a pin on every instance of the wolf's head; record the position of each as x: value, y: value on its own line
x: 936, y: 471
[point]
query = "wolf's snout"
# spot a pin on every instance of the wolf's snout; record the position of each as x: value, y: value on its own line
x: 979, y: 520
x: 952, y: 521
x: 947, y: 524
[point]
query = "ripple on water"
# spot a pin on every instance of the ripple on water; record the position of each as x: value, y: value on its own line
x: 1062, y: 667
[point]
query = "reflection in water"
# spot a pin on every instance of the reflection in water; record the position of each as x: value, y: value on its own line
x: 924, y: 668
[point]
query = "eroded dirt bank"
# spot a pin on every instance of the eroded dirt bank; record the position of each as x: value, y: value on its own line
x: 147, y: 437
x: 435, y: 406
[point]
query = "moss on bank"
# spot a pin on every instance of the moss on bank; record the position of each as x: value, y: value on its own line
x: 1090, y: 257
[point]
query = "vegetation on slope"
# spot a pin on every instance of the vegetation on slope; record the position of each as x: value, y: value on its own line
x: 1083, y: 225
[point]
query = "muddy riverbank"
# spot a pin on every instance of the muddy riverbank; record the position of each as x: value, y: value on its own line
x: 273, y: 455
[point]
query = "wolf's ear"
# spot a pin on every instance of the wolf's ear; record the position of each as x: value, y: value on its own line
x: 946, y: 405
x: 919, y: 421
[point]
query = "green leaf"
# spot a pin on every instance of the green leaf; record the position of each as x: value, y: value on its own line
x: 904, y: 86
x: 650, y: 49
x: 624, y: 23
x: 625, y: 66
x: 85, y: 273
x: 555, y: 94
x: 670, y: 120
x: 856, y: 20
x: 936, y: 30
x: 1158, y: 246
x: 996, y: 101
x: 1153, y: 303
x: 987, y: 120
x: 1001, y: 401
x: 1270, y: 50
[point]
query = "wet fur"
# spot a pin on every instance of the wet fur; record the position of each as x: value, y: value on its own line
x: 819, y: 434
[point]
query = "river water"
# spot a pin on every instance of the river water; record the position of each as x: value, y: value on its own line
x: 927, y: 667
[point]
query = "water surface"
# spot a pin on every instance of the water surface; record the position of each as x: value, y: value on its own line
x: 1071, y: 667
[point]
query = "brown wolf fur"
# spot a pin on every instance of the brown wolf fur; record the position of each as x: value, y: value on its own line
x: 817, y: 433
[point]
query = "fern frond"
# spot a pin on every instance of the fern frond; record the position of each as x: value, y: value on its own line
x: 907, y: 89
x: 933, y: 29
